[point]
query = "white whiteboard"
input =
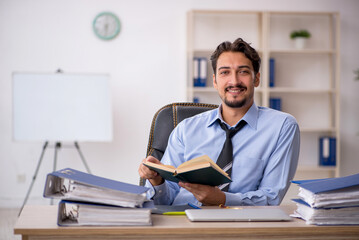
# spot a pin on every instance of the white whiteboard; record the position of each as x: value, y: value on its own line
x: 61, y: 107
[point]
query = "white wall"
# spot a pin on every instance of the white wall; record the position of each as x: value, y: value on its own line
x: 147, y: 64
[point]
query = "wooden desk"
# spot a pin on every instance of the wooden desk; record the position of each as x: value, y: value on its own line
x: 39, y: 222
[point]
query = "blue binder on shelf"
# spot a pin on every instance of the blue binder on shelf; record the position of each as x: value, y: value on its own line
x: 74, y: 185
x: 271, y: 72
x: 196, y: 100
x: 199, y: 72
x: 275, y: 103
x: 327, y: 151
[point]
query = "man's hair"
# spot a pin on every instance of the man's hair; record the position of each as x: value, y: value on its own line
x: 239, y: 45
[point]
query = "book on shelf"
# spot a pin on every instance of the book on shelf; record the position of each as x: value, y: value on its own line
x: 271, y: 72
x: 72, y: 213
x: 275, y: 103
x: 200, y: 170
x: 199, y: 71
x: 327, y: 151
x: 329, y: 201
x: 71, y: 184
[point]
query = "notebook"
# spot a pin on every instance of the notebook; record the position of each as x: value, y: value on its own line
x: 237, y: 215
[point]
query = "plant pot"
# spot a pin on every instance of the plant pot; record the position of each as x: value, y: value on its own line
x: 300, y: 42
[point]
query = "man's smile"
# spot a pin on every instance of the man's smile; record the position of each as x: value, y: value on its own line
x: 237, y: 89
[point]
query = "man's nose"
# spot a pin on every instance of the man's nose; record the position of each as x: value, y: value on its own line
x: 235, y: 78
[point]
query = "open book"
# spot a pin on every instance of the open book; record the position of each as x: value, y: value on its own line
x: 201, y: 170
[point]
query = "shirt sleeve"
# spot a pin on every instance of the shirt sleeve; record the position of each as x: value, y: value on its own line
x: 278, y: 173
x: 165, y: 193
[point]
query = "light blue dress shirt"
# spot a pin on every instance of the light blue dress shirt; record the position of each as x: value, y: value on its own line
x: 265, y: 156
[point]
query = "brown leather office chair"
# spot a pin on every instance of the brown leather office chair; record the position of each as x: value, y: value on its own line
x: 165, y: 120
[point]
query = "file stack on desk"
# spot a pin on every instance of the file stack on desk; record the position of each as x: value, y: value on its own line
x: 330, y: 201
x: 91, y: 200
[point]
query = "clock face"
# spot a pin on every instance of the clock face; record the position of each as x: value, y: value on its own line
x: 106, y: 25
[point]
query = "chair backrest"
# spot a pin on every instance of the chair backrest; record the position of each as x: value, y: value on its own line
x: 165, y: 120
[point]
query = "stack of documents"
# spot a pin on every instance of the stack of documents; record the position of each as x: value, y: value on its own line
x: 87, y: 199
x: 330, y: 201
x: 81, y: 214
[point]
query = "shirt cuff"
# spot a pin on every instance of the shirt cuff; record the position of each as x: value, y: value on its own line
x: 233, y: 199
x: 160, y: 190
x: 155, y: 191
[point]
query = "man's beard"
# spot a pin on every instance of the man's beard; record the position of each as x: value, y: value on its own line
x: 235, y: 103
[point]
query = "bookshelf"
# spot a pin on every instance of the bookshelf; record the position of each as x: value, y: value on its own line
x: 306, y: 80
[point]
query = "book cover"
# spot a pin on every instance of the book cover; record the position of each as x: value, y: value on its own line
x: 196, y: 78
x: 275, y: 103
x: 203, y: 72
x: 327, y: 151
x: 271, y: 72
x: 199, y: 72
x: 201, y: 170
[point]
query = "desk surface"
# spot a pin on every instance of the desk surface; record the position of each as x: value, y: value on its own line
x: 39, y: 222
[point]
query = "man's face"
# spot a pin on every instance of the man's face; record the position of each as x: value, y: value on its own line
x: 235, y: 79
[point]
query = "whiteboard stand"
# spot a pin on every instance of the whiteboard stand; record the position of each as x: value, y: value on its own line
x: 57, y: 147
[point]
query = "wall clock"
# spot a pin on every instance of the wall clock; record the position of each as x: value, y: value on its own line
x: 106, y: 25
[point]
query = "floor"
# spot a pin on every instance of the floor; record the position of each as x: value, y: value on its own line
x: 8, y: 217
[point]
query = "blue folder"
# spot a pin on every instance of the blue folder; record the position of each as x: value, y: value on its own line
x: 329, y: 184
x: 96, y: 181
x: 118, y: 193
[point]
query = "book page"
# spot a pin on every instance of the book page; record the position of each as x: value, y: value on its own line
x: 193, y: 167
x: 168, y: 168
x: 200, y: 160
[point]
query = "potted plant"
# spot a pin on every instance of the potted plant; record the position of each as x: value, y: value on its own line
x: 300, y: 38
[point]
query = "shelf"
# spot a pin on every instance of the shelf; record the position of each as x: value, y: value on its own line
x: 203, y: 51
x: 302, y: 51
x: 204, y: 89
x: 318, y: 130
x: 316, y: 168
x: 299, y: 90
x: 306, y: 80
x: 210, y: 51
x: 213, y: 90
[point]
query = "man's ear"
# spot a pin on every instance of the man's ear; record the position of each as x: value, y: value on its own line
x: 214, y: 81
x: 257, y: 79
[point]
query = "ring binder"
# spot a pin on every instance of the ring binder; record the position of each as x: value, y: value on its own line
x: 74, y: 185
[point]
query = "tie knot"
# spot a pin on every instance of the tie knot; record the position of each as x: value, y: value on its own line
x: 231, y: 132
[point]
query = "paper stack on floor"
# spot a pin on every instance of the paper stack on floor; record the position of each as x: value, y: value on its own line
x: 330, y: 201
x: 87, y: 199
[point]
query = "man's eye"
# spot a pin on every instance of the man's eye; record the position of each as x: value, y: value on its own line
x: 244, y: 72
x: 223, y: 72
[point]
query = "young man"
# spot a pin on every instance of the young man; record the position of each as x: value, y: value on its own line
x: 265, y: 149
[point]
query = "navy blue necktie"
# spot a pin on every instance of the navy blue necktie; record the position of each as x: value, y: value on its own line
x: 225, y: 159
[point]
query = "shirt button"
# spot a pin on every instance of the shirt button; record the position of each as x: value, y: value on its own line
x: 160, y: 191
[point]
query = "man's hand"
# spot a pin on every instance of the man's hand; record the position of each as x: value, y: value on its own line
x: 205, y: 194
x: 146, y: 173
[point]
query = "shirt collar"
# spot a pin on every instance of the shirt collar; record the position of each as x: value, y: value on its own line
x: 250, y: 117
